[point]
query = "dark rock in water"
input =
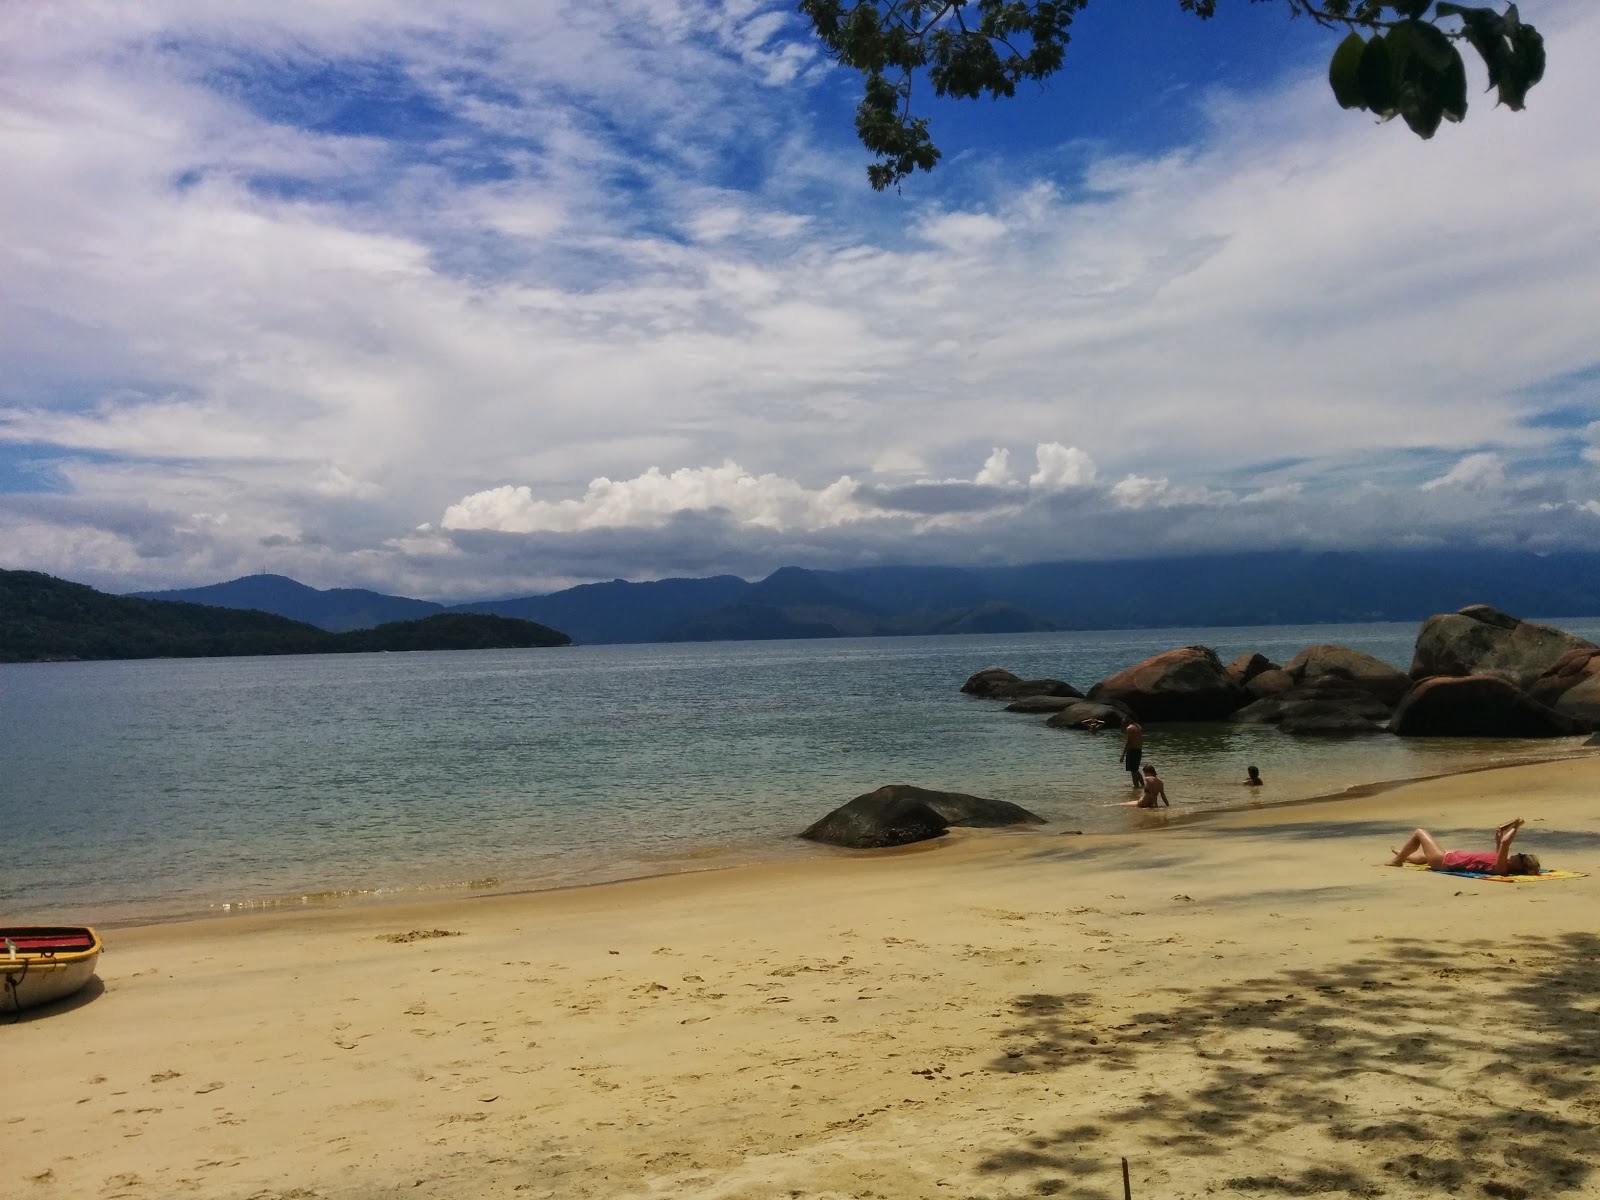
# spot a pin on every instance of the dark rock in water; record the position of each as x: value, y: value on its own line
x: 1594, y: 740
x: 901, y: 813
x: 1327, y: 704
x: 1179, y: 685
x: 1270, y: 683
x: 1478, y: 706
x: 997, y: 683
x: 1041, y: 704
x: 1075, y: 714
x: 1480, y: 640
x: 1247, y: 666
x: 1340, y: 662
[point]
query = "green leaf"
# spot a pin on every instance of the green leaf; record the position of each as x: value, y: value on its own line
x: 1376, y: 75
x: 1430, y: 46
x: 1453, y: 88
x: 1413, y: 8
x: 1344, y: 72
x: 1420, y: 108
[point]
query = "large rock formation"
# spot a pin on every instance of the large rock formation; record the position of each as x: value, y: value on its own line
x: 1326, y: 704
x: 901, y: 813
x: 1480, y: 640
x: 1190, y: 684
x: 1372, y: 675
x: 1477, y: 706
x: 997, y: 683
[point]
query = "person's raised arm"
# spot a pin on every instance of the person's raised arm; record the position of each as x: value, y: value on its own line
x: 1503, y: 837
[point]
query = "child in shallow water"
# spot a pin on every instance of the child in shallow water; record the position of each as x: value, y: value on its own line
x: 1422, y: 850
x: 1252, y: 777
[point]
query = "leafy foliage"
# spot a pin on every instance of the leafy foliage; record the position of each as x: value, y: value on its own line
x: 1409, y: 66
x: 44, y: 619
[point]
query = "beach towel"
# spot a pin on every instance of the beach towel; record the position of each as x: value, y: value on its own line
x: 1539, y: 878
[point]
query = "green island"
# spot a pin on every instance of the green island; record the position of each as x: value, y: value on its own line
x: 45, y: 619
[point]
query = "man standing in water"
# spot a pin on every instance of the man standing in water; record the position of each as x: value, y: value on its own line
x: 1132, y: 748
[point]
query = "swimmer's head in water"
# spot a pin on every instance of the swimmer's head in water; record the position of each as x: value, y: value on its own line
x: 1149, y: 770
x: 1253, y: 772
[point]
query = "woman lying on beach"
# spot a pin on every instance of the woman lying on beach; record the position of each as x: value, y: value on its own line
x: 1422, y: 850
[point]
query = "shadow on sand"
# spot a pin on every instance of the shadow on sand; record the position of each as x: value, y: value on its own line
x: 1414, y: 1071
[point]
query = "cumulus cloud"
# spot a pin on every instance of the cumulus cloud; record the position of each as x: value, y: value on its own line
x: 651, y: 499
x: 1061, y: 467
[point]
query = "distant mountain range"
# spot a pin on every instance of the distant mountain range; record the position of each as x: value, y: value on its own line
x: 1266, y: 588
x: 44, y: 619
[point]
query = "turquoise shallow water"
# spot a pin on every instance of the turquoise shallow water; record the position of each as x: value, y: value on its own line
x: 157, y: 789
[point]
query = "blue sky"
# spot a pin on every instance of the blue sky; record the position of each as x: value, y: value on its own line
x: 463, y: 298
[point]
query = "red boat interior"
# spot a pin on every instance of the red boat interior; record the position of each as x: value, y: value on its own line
x: 46, y: 941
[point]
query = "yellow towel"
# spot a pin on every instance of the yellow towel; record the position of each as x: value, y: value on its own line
x: 1539, y: 878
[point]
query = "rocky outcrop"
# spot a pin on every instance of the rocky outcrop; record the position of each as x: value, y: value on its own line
x: 1480, y: 640
x: 1477, y: 706
x: 1568, y: 671
x: 1190, y: 684
x: 1581, y: 702
x: 1247, y: 666
x: 1327, y: 704
x: 1041, y: 704
x: 997, y: 683
x: 1372, y: 675
x: 1075, y: 714
x: 902, y: 813
x: 1270, y: 683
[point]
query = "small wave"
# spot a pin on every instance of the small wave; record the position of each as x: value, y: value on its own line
x: 335, y: 895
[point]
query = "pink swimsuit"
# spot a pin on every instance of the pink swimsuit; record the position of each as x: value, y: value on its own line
x: 1481, y: 861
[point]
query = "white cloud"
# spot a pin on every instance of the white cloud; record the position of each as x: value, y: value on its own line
x: 1475, y: 472
x: 1061, y: 467
x: 996, y: 470
x: 653, y: 498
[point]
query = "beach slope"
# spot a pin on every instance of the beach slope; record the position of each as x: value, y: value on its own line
x: 1250, y: 1005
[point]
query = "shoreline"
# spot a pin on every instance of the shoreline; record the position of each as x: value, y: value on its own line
x: 755, y: 858
x: 1251, y: 1005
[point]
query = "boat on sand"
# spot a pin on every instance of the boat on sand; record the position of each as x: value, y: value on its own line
x: 41, y: 963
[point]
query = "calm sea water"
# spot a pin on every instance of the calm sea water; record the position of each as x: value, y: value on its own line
x: 156, y: 789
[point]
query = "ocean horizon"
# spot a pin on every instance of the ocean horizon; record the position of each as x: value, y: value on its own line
x: 166, y: 789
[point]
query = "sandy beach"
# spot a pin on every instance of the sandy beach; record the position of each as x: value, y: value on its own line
x: 1250, y: 1005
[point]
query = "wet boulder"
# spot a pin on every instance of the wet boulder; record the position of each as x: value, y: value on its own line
x: 1041, y: 704
x: 1112, y: 716
x: 1189, y: 684
x: 1478, y: 706
x: 997, y: 683
x: 1480, y: 640
x: 1327, y: 704
x: 1371, y: 674
x: 901, y: 813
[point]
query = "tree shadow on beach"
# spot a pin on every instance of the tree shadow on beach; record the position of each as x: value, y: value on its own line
x: 1413, y: 1071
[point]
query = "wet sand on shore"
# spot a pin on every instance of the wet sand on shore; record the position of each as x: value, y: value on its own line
x: 1247, y: 1005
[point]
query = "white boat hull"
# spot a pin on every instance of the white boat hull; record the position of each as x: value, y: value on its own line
x: 32, y: 974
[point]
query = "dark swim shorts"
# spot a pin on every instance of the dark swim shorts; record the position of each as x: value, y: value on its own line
x: 1132, y: 759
